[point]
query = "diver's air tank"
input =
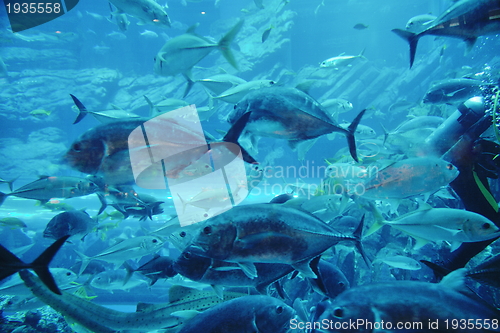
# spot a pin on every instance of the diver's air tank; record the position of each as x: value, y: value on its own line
x: 446, y: 135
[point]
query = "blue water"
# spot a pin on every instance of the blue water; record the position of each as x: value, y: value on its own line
x: 84, y: 54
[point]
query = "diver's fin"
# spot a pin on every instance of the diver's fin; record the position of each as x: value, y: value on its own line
x: 351, y: 141
x: 224, y: 44
x: 81, y: 108
x: 411, y: 38
x: 234, y: 133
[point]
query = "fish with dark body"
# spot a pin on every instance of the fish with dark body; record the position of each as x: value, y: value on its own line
x: 228, y: 274
x: 290, y: 114
x: 466, y: 19
x: 75, y: 223
x: 10, y: 264
x: 453, y: 91
x: 245, y: 314
x: 160, y: 267
x: 413, y: 303
x: 104, y: 150
x: 268, y: 233
x: 47, y: 188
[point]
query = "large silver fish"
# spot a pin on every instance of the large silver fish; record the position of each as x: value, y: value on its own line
x: 47, y: 188
x: 290, y: 114
x: 181, y: 53
x: 268, y: 234
x: 147, y: 11
x: 466, y: 19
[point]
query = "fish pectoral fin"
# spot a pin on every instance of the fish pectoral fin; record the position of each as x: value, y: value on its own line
x: 249, y: 269
x: 419, y: 242
x: 186, y: 314
x: 304, y: 268
x: 226, y: 268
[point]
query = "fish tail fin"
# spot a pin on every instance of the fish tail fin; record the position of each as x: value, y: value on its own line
x: 3, y: 196
x: 357, y: 234
x: 11, y: 183
x: 234, y: 133
x: 130, y: 271
x: 361, y: 54
x: 81, y: 108
x: 152, y: 108
x: 411, y: 38
x: 184, y: 204
x: 351, y: 141
x: 386, y: 132
x: 8, y: 263
x: 190, y: 84
x: 379, y: 220
x: 225, y: 42
x: 85, y: 261
x: 41, y: 264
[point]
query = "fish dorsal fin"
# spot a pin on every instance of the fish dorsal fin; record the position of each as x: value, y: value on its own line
x: 177, y: 293
x: 305, y: 86
x: 340, y: 55
x: 116, y: 107
x: 191, y: 29
x: 144, y: 307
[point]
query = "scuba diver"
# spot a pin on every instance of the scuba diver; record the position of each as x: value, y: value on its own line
x: 458, y: 140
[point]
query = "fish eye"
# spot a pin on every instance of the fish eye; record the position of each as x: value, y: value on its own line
x: 279, y: 309
x: 271, y: 83
x: 485, y: 226
x: 182, y: 234
x: 207, y: 230
x: 234, y: 107
x: 341, y: 284
x: 68, y: 273
x: 155, y: 240
x: 186, y: 255
x: 450, y: 166
x: 77, y: 147
x: 338, y: 312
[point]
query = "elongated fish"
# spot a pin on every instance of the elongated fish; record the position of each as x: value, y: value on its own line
x: 466, y: 19
x: 181, y: 53
x: 290, y: 114
x: 96, y: 318
x: 268, y: 233
x: 341, y: 60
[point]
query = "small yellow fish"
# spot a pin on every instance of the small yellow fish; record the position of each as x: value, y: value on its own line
x: 12, y: 222
x: 39, y: 113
